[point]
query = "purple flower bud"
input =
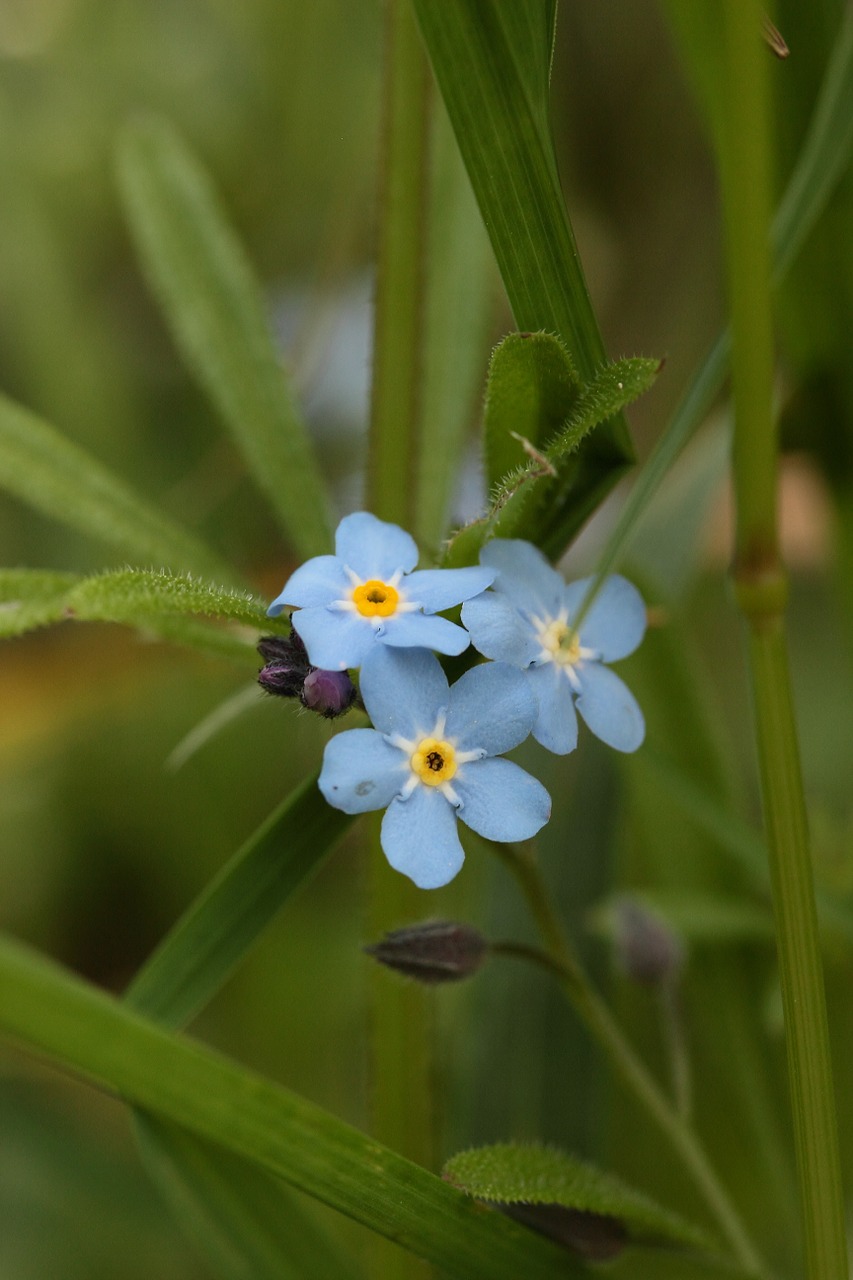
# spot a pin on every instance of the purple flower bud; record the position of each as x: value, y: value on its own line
x: 330, y: 693
x: 289, y: 674
x: 434, y: 951
x: 286, y: 666
x: 649, y: 951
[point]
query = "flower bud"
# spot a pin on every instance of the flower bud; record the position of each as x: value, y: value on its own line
x: 288, y: 674
x: 330, y: 693
x: 434, y: 951
x: 649, y: 951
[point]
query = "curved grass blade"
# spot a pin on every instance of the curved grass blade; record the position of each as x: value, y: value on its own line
x: 85, y: 1031
x: 248, y: 1223
x: 195, y: 958
x: 213, y: 305
x: 40, y: 467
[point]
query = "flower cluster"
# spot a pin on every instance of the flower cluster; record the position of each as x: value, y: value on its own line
x: 434, y: 754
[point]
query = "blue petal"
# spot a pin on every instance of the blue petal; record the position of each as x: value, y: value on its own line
x: 403, y: 690
x: 417, y: 631
x: 419, y: 838
x: 609, y: 707
x: 616, y: 622
x: 499, y: 631
x: 500, y: 801
x: 374, y: 549
x: 491, y: 709
x: 524, y: 575
x: 361, y: 771
x: 317, y: 582
x: 334, y: 639
x: 437, y: 589
x: 556, y: 725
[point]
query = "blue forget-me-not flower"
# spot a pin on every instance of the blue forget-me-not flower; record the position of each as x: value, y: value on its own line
x: 431, y: 758
x: 526, y: 620
x: 367, y: 593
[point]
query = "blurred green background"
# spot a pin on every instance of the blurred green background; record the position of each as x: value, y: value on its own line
x: 102, y: 846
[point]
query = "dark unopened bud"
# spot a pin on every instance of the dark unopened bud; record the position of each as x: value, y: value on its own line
x: 286, y: 666
x: 288, y: 674
x: 331, y: 693
x: 649, y: 951
x: 594, y: 1236
x: 434, y: 951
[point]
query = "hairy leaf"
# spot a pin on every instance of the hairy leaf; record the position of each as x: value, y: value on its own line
x: 521, y: 1173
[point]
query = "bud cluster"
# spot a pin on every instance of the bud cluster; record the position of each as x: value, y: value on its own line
x: 288, y: 674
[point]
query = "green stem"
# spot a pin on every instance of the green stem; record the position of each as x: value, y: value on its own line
x: 598, y: 1019
x: 399, y: 309
x: 403, y: 1094
x: 761, y: 595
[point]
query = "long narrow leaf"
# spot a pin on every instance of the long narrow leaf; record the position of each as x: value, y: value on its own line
x: 85, y: 1031
x: 133, y: 595
x: 60, y: 480
x: 491, y: 61
x: 31, y: 598
x: 193, y: 961
x: 213, y: 304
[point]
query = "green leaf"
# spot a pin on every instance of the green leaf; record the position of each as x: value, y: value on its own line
x: 215, y: 309
x: 536, y: 500
x: 160, y: 604
x: 491, y: 61
x: 521, y: 1173
x: 47, y: 1010
x: 531, y: 390
x: 31, y: 598
x: 195, y: 958
x: 135, y: 595
x: 57, y: 478
x: 249, y: 1224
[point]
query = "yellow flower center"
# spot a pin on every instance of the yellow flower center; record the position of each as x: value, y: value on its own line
x: 561, y: 642
x: 434, y: 761
x: 376, y: 599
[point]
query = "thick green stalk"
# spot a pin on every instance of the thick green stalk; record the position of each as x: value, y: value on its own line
x: 403, y: 1115
x: 593, y: 1011
x: 761, y: 593
x: 398, y: 321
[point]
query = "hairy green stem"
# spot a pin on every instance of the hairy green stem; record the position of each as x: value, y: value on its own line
x: 593, y: 1011
x: 760, y: 587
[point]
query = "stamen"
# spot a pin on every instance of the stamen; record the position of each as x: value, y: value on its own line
x: 375, y: 599
x: 433, y: 761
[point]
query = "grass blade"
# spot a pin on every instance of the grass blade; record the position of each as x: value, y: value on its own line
x: 59, y: 479
x: 491, y: 61
x: 87, y: 1032
x: 247, y: 1222
x: 195, y: 958
x: 213, y: 305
